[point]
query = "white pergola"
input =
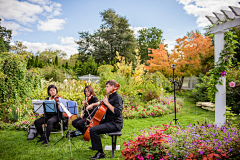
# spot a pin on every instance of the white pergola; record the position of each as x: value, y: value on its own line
x: 223, y: 21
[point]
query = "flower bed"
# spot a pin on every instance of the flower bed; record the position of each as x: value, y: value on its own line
x: 205, y: 141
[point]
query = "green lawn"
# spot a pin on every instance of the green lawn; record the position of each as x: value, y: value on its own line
x: 14, y: 144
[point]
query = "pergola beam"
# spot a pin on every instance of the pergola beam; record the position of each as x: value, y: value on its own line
x: 229, y: 14
x: 224, y: 26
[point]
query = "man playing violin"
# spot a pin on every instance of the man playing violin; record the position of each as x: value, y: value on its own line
x: 113, y: 120
x: 90, y: 98
x: 50, y: 118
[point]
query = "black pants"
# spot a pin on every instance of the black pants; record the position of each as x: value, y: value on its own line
x: 79, y: 123
x: 103, y: 128
x: 50, y: 120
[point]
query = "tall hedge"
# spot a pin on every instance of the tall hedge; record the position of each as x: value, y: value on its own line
x: 16, y: 81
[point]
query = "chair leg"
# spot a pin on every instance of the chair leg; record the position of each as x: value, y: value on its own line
x: 114, y: 138
x: 62, y: 127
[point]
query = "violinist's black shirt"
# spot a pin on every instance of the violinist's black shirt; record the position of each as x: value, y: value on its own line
x: 115, y: 100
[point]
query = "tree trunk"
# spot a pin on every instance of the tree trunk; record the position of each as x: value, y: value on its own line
x: 180, y: 83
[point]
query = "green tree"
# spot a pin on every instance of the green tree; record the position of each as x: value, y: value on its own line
x: 66, y: 66
x: 6, y: 36
x: 114, y: 35
x: 76, y: 65
x: 36, y: 62
x: 148, y: 38
x: 19, y: 48
x: 56, y: 61
x: 2, y: 45
x: 41, y: 64
x: 49, y: 53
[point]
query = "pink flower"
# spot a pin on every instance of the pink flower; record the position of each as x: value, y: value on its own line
x: 148, y: 156
x: 232, y: 84
x: 140, y: 157
x: 33, y: 122
x: 223, y: 73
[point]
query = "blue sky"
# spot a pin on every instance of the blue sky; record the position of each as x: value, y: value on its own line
x: 54, y: 24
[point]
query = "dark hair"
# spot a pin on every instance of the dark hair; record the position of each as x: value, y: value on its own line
x: 90, y: 89
x: 112, y: 83
x: 51, y: 86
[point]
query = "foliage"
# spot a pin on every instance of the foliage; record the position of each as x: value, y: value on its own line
x: 201, y: 141
x: 157, y: 107
x: 56, y: 61
x: 236, y: 31
x: 188, y: 57
x: 204, y: 140
x: 232, y: 94
x: 19, y: 48
x: 17, y: 84
x: 2, y: 46
x: 223, y: 64
x: 147, y: 146
x: 49, y: 53
x: 159, y: 61
x: 53, y: 72
x: 148, y: 38
x: 88, y: 67
x: 189, y: 53
x: 200, y: 93
x: 114, y: 35
x: 6, y: 37
x: 16, y: 81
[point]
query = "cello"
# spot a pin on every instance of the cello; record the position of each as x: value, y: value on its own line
x: 98, y: 115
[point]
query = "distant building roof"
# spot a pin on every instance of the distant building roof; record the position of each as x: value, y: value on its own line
x: 90, y: 78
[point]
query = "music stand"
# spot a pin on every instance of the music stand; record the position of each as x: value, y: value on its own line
x: 49, y: 107
x: 38, y: 106
x: 71, y: 109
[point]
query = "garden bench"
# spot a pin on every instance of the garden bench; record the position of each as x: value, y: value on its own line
x: 114, y: 141
x: 206, y: 105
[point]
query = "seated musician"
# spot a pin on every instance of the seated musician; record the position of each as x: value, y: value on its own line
x: 90, y: 98
x: 50, y: 118
x: 113, y: 119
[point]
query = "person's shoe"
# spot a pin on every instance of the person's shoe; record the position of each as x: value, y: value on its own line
x: 98, y: 155
x: 42, y: 138
x: 45, y: 142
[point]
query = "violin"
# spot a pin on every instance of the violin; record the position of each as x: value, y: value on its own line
x: 98, y: 115
x: 56, y: 98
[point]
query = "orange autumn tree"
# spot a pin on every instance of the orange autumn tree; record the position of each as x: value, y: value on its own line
x: 189, y: 56
x: 159, y: 61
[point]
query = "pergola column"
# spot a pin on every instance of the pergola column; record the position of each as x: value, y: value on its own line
x: 220, y: 96
x: 222, y: 22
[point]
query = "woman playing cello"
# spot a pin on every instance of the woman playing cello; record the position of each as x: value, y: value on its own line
x: 90, y: 98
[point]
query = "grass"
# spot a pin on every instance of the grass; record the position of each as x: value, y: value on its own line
x: 14, y: 144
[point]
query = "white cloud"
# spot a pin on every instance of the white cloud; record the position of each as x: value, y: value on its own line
x: 67, y: 45
x: 67, y: 40
x: 136, y: 29
x: 16, y: 28
x: 51, y: 25
x: 171, y: 45
x: 19, y: 13
x: 201, y: 8
x: 22, y: 12
x: 38, y: 46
